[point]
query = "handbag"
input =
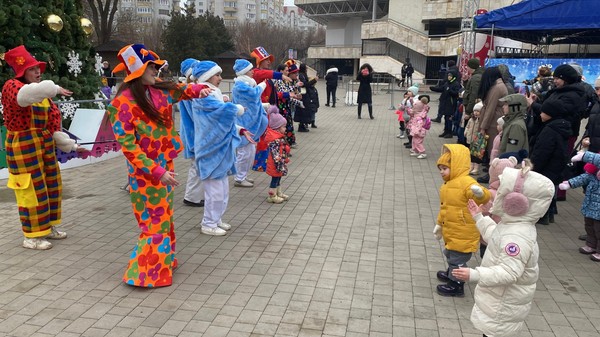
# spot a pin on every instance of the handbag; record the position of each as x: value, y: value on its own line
x: 478, y: 145
x: 574, y: 169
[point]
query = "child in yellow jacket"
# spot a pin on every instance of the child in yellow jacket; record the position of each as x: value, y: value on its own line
x: 454, y: 222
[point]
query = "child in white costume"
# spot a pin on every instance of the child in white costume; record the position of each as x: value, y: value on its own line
x: 194, y: 191
x: 247, y: 93
x: 506, y: 279
x: 216, y: 137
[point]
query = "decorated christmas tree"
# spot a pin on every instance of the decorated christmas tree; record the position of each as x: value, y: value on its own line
x: 56, y: 32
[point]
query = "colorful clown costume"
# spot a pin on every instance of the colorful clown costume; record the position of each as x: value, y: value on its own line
x: 34, y: 173
x: 150, y: 149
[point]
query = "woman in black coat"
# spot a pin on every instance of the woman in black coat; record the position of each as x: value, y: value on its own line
x: 549, y: 146
x: 448, y: 101
x: 310, y: 99
x: 365, y: 77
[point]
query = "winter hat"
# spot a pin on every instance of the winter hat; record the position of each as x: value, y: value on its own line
x: 135, y: 59
x: 597, y: 83
x: 241, y: 67
x: 444, y: 159
x: 478, y: 106
x: 577, y: 68
x: 260, y: 54
x: 20, y: 60
x: 187, y: 67
x: 500, y: 121
x: 414, y: 89
x: 497, y: 166
x: 473, y: 63
x: 276, y: 120
x: 553, y: 110
x: 567, y: 73
x: 204, y: 70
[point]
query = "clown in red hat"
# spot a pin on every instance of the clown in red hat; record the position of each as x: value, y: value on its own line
x: 34, y: 126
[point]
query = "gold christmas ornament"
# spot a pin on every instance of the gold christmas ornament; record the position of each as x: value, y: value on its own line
x: 55, y: 23
x: 86, y: 25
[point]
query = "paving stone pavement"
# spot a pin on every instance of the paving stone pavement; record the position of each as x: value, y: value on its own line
x: 350, y: 254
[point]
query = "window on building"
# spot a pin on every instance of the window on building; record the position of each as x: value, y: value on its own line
x: 251, y: 7
x: 232, y: 4
x: 250, y: 16
x: 163, y: 11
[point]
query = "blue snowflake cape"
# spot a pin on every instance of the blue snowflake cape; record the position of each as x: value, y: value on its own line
x: 216, y: 137
x: 186, y: 128
x: 254, y: 118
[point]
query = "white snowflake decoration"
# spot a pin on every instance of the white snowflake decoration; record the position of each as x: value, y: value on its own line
x: 98, y: 65
x: 1, y: 107
x: 74, y: 63
x: 99, y: 96
x: 67, y: 109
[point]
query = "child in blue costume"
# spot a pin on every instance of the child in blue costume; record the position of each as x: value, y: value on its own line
x: 247, y: 93
x: 194, y: 193
x: 216, y: 137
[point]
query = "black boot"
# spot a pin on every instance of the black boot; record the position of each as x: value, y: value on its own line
x: 484, y: 180
x: 442, y: 275
x: 303, y: 128
x: 443, y: 134
x: 452, y: 288
x: 545, y: 220
x: 551, y: 217
x: 371, y: 112
x: 437, y: 120
x: 313, y: 125
x: 359, y: 109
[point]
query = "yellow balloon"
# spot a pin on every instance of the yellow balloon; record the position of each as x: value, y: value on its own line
x: 55, y: 23
x: 86, y: 25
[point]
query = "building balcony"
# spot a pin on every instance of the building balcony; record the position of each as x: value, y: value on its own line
x: 230, y: 9
x: 322, y: 11
x: 335, y: 52
x: 441, y: 45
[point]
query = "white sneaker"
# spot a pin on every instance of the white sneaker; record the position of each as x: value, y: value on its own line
x: 224, y: 226
x: 37, y: 243
x: 213, y: 231
x: 402, y: 136
x: 422, y: 156
x: 399, y: 135
x: 251, y: 181
x: 243, y: 183
x: 414, y: 154
x: 56, y: 234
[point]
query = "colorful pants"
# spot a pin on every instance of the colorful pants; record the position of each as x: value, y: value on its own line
x: 153, y: 258
x: 31, y: 163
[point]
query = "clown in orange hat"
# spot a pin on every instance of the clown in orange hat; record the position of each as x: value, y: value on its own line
x: 142, y: 118
x: 34, y: 126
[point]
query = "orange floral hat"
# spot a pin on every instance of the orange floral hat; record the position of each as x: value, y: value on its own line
x: 20, y: 60
x: 134, y: 60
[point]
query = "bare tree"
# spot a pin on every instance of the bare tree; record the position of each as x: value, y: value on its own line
x: 277, y: 40
x: 127, y: 27
x: 151, y: 35
x: 103, y: 14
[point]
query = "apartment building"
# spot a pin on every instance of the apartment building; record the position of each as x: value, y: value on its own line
x: 278, y: 12
x: 149, y: 11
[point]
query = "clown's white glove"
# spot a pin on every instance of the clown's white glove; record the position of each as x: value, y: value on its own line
x: 437, y: 232
x: 64, y: 142
x: 564, y: 186
x: 477, y: 191
x: 578, y: 156
x: 266, y: 106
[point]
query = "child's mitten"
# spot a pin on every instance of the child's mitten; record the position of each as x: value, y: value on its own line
x: 564, y: 186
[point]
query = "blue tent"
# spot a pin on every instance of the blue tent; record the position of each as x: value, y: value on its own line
x: 545, y: 21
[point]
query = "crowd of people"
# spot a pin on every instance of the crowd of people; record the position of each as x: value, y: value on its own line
x: 524, y: 144
x: 527, y: 139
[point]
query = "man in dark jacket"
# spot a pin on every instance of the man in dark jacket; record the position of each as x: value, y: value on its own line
x: 449, y: 90
x: 472, y: 86
x: 331, y: 80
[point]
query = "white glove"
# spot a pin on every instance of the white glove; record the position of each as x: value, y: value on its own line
x: 578, y: 156
x: 437, y: 232
x: 564, y: 186
x: 64, y: 142
x: 477, y: 190
x: 266, y: 106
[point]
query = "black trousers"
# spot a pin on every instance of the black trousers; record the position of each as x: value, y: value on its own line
x: 331, y: 93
